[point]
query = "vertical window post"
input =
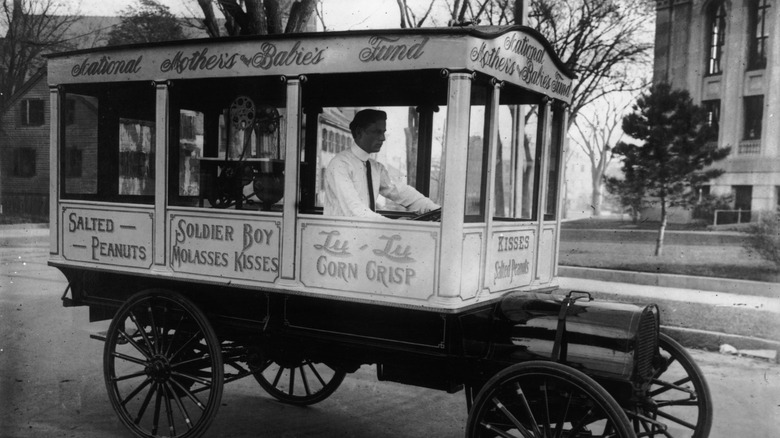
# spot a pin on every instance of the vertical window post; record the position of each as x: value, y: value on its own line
x: 292, y: 157
x: 55, y: 136
x: 455, y: 161
x: 162, y: 108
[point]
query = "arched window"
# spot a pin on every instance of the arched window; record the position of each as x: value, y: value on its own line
x: 716, y: 19
x: 324, y: 140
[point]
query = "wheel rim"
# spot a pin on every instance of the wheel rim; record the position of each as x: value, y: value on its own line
x: 545, y: 400
x: 301, y: 382
x: 678, y: 402
x: 163, y: 366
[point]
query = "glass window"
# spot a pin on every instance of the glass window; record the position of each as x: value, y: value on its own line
x: 32, y: 112
x: 717, y: 37
x: 712, y: 114
x: 477, y: 155
x: 231, y: 141
x: 73, y: 159
x: 109, y: 147
x: 759, y: 34
x: 754, y: 114
x: 553, y: 164
x: 515, y: 185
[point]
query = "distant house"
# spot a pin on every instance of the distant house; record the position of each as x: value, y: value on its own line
x: 24, y: 150
x: 24, y: 132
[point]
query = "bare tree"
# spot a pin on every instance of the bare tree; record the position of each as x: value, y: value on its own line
x: 596, y: 132
x: 257, y: 17
x: 32, y: 28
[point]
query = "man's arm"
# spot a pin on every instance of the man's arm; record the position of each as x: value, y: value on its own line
x: 403, y: 194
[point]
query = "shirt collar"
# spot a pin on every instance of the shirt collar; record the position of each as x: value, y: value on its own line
x: 360, y: 153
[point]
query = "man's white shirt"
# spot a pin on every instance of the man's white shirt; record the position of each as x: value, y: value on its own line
x: 346, y: 187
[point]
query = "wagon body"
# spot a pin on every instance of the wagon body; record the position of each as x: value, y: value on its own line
x: 187, y: 202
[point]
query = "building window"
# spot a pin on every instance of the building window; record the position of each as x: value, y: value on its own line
x: 32, y: 112
x: 24, y: 162
x: 712, y: 115
x: 759, y: 34
x: 717, y: 37
x: 73, y: 163
x: 754, y: 114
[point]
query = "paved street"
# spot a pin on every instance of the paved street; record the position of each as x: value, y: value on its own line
x: 51, y: 382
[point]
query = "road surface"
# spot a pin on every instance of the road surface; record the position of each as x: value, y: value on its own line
x: 51, y: 382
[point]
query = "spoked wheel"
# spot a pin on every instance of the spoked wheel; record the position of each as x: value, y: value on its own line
x: 299, y: 382
x: 163, y: 366
x: 545, y: 400
x: 678, y: 402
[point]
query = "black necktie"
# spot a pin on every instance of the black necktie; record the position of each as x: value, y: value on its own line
x: 371, y: 204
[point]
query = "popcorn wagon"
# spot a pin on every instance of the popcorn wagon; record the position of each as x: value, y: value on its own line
x: 195, y: 225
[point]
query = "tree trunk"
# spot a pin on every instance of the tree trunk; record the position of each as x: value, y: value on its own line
x: 595, y: 197
x: 659, y: 243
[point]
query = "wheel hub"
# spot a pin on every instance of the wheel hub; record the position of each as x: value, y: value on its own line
x: 159, y: 369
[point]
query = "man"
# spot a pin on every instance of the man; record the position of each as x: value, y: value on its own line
x: 353, y: 180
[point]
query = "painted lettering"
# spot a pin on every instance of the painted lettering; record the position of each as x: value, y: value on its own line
x: 341, y: 270
x: 389, y: 275
x: 332, y: 245
x: 394, y: 251
x: 106, y: 66
x: 193, y: 230
x: 256, y: 235
x: 199, y: 60
x: 509, y: 269
x: 86, y: 223
x: 247, y: 262
x: 513, y: 243
x: 102, y: 249
x: 180, y: 256
x: 382, y: 48
x: 271, y: 56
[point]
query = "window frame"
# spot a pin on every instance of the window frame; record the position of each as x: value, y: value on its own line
x: 30, y: 116
x: 716, y: 37
x: 758, y: 35
x: 753, y: 113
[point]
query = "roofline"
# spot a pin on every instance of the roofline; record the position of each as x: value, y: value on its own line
x: 483, y: 32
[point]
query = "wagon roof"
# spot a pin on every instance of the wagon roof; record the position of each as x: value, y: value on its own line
x: 514, y: 54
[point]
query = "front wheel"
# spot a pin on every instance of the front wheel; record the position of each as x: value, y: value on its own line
x: 163, y: 366
x: 545, y: 399
x: 678, y: 402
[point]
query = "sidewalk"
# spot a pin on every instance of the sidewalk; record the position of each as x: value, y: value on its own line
x: 24, y: 235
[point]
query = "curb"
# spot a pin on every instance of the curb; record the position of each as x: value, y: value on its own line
x: 711, y: 284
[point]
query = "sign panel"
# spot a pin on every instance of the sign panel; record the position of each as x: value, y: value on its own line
x: 369, y: 259
x: 512, y: 258
x: 225, y: 247
x: 514, y: 56
x: 120, y: 238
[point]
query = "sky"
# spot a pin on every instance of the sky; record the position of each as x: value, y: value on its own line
x: 337, y: 14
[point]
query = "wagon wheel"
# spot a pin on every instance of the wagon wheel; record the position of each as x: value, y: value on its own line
x: 545, y: 399
x: 297, y: 382
x: 678, y: 402
x: 163, y: 366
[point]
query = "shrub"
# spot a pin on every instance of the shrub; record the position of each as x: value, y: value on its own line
x: 763, y: 237
x: 704, y: 209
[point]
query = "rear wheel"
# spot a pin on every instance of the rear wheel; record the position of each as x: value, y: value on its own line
x: 298, y: 382
x: 163, y: 367
x: 545, y: 399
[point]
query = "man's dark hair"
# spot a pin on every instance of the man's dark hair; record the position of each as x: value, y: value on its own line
x: 364, y: 118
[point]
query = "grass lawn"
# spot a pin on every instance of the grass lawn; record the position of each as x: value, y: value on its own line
x: 699, y: 260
